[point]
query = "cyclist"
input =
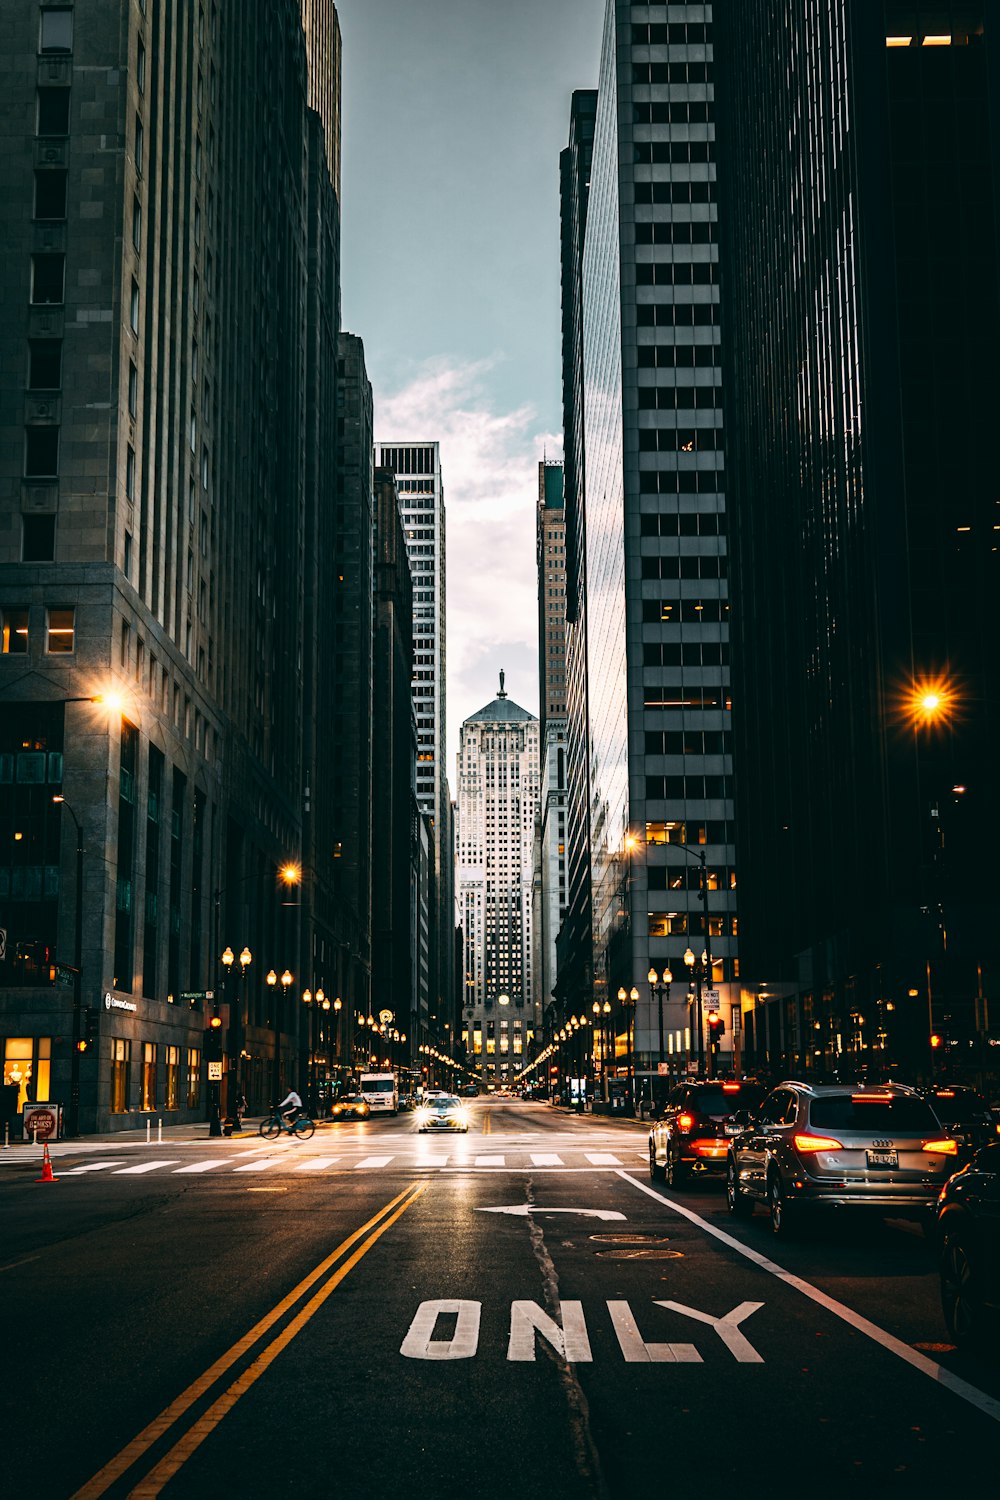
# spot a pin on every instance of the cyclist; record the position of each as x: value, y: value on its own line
x: 290, y: 1107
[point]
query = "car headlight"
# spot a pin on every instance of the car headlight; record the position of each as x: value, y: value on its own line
x: 461, y: 1117
x: 423, y: 1115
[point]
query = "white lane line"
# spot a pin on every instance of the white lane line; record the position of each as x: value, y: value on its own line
x: 490, y: 1161
x: 953, y: 1383
x: 372, y: 1161
x: 204, y: 1166
x: 317, y: 1163
x: 546, y: 1159
x: 94, y: 1166
x: 602, y: 1158
x: 145, y: 1166
x: 263, y: 1164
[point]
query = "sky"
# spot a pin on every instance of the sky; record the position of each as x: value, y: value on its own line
x: 454, y: 115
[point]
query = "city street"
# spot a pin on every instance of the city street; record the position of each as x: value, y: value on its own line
x: 515, y: 1311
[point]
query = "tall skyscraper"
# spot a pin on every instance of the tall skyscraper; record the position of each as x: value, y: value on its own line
x: 497, y: 805
x: 661, y: 808
x: 550, y: 855
x: 859, y: 176
x: 162, y: 519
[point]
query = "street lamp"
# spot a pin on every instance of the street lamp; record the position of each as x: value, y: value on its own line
x: 228, y: 957
x: 698, y: 970
x: 73, y: 1123
x: 661, y: 990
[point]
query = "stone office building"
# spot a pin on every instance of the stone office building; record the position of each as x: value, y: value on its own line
x: 160, y: 525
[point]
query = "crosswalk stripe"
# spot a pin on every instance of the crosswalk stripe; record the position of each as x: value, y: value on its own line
x: 546, y: 1159
x: 145, y: 1166
x: 94, y: 1166
x: 491, y: 1161
x: 430, y: 1161
x: 602, y: 1159
x: 204, y: 1166
x: 263, y: 1164
x: 372, y: 1161
x: 317, y: 1163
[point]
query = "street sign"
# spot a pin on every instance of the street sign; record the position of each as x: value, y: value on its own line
x: 197, y: 995
x: 215, y: 1072
x: 711, y: 998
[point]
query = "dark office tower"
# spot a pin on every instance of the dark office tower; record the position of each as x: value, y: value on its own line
x: 861, y: 270
x: 550, y: 881
x: 348, y: 661
x: 656, y: 592
x: 574, y: 958
x: 393, y: 770
x: 170, y: 286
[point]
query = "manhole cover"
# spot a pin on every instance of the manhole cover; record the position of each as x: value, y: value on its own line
x: 640, y: 1253
x: 631, y: 1239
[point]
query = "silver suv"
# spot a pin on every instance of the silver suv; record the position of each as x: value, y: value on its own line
x: 839, y: 1145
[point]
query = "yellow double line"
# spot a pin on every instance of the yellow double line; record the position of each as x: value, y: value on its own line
x: 167, y: 1467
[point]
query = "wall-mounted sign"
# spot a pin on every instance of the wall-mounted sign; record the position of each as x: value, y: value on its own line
x: 215, y: 1072
x: 112, y: 1002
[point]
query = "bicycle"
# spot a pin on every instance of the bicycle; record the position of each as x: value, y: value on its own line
x: 303, y: 1128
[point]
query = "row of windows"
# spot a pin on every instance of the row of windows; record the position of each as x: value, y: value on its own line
x: 679, y: 439
x: 674, y: 72
x: 687, y: 654
x: 656, y: 153
x: 682, y: 523
x: 684, y: 567
x: 59, y: 630
x: 668, y: 192
x: 686, y: 742
x: 684, y: 611
x: 679, y: 482
x: 674, y: 314
x: 671, y: 34
x: 673, y: 112
x: 691, y: 878
x: 686, y: 788
x: 121, y: 1080
x: 689, y: 833
x: 679, y: 397
x: 672, y: 356
x: 687, y: 697
x: 682, y: 924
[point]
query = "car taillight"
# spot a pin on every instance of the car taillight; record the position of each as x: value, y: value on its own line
x: 730, y: 1088
x: 941, y: 1148
x: 684, y: 1122
x: 809, y: 1143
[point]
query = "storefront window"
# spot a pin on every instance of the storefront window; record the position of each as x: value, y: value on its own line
x: 148, y: 1100
x: 121, y: 1057
x: 173, y: 1076
x: 194, y: 1077
x: 26, y: 1067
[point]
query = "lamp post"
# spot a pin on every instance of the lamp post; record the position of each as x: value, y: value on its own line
x: 73, y: 1123
x: 236, y: 1026
x: 697, y: 969
x: 660, y: 989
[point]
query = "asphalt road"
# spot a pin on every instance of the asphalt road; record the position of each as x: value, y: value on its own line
x: 519, y: 1311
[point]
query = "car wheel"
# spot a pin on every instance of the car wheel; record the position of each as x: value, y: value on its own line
x: 961, y: 1300
x: 782, y: 1217
x: 656, y: 1172
x: 677, y: 1175
x: 737, y: 1201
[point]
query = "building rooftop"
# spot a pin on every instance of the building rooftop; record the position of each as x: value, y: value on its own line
x: 502, y: 710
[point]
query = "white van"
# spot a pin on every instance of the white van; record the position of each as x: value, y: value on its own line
x: 380, y: 1092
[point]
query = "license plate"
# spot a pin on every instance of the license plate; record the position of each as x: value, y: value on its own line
x: 883, y: 1158
x: 733, y: 1129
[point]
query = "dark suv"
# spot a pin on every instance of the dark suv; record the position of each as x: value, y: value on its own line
x: 968, y: 1225
x: 692, y: 1132
x: 840, y: 1145
x: 965, y: 1115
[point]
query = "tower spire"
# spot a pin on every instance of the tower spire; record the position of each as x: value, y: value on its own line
x: 501, y: 693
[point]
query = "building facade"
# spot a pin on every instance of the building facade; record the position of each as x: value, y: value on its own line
x: 657, y: 631
x: 498, y: 779
x: 551, y: 881
x: 864, y: 483
x: 162, y: 496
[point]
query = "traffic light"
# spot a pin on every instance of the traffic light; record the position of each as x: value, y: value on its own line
x: 716, y: 1026
x: 81, y: 1045
x: 935, y: 1040
x: 213, y: 1040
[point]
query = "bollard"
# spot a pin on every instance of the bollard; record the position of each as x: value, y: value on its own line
x: 159, y: 1132
x: 6, y: 1135
x: 34, y: 1134
x: 148, y: 1123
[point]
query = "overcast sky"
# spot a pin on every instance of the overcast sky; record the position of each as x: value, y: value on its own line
x: 454, y: 114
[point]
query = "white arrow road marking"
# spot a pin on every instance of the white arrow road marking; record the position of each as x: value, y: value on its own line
x: 420, y: 1342
x: 204, y: 1166
x: 727, y: 1328
x: 970, y: 1393
x: 636, y: 1351
x: 146, y: 1166
x: 522, y: 1210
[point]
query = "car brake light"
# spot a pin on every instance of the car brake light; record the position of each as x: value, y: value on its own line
x: 942, y: 1148
x: 730, y: 1088
x: 810, y: 1143
x: 684, y: 1122
x: 871, y: 1098
x: 944, y: 1094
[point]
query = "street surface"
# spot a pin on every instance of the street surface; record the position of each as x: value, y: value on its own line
x: 515, y: 1312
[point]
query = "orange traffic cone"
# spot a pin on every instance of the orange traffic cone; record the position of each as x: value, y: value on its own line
x: 47, y: 1173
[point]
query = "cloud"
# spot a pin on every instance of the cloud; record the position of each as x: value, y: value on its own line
x: 489, y: 465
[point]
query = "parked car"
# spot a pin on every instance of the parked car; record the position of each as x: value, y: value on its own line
x: 471, y: 1091
x: 965, y: 1115
x: 691, y: 1134
x: 968, y: 1226
x: 442, y: 1112
x: 839, y: 1146
x: 350, y: 1107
